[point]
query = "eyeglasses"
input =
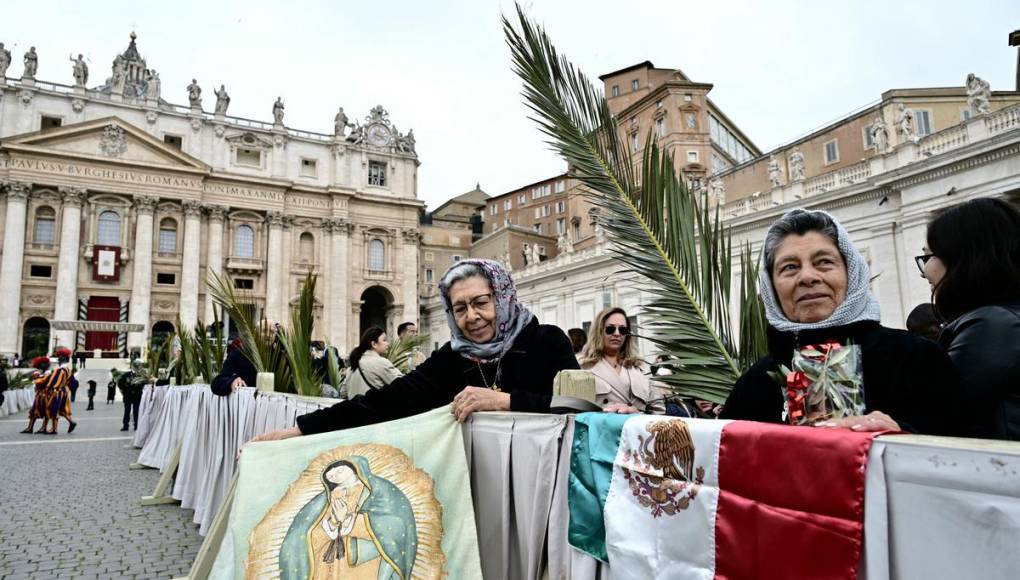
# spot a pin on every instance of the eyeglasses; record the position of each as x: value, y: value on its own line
x: 478, y: 303
x: 922, y: 260
x: 612, y: 329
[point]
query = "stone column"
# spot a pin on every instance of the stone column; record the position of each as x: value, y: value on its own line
x: 188, y: 307
x: 141, y: 277
x: 325, y: 273
x: 214, y: 258
x: 340, y: 318
x: 274, y: 265
x: 286, y: 287
x: 11, y: 265
x: 65, y: 305
x: 409, y: 275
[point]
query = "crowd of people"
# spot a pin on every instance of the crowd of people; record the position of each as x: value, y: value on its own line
x: 959, y: 375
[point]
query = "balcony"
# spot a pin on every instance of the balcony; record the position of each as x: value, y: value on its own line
x: 42, y: 248
x: 242, y: 265
x: 378, y: 274
x: 304, y: 267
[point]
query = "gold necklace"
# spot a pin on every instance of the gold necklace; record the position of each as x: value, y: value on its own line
x: 495, y: 378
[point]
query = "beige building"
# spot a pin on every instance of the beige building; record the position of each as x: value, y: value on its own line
x: 447, y: 234
x: 119, y: 204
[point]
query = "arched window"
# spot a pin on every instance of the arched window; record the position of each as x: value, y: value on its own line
x: 244, y: 242
x: 108, y: 231
x: 376, y: 255
x: 160, y: 332
x: 167, y: 236
x: 307, y: 248
x: 45, y: 226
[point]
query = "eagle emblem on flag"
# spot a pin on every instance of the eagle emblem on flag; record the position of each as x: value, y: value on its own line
x: 661, y: 471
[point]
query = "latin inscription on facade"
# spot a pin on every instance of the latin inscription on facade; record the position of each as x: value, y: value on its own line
x: 243, y: 192
x: 120, y: 175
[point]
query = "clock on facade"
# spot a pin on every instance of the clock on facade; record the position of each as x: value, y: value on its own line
x: 378, y: 135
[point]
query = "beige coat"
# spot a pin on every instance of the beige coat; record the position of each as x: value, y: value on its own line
x: 631, y: 387
x: 377, y: 369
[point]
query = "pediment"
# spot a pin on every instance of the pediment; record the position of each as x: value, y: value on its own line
x: 109, y: 138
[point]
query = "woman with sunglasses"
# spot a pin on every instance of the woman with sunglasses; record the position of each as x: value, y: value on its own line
x: 621, y: 378
x: 972, y: 262
x: 815, y: 286
x: 498, y: 359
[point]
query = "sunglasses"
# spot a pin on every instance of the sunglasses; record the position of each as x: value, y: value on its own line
x: 612, y: 329
x: 922, y: 260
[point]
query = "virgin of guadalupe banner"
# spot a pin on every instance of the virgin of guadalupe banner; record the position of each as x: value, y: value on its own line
x: 381, y: 502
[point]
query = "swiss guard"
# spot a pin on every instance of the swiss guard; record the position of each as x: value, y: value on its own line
x: 52, y: 393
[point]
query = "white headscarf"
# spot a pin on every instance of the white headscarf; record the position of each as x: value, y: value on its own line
x: 859, y: 303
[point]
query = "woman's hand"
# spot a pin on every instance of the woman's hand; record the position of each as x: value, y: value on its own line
x: 619, y: 408
x: 277, y: 435
x: 873, y: 421
x: 237, y: 384
x: 473, y: 399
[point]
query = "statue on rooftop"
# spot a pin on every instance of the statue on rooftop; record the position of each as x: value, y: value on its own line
x: 195, y: 95
x: 5, y: 60
x: 879, y: 134
x: 222, y: 100
x: 775, y: 172
x: 31, y: 63
x: 81, y: 71
x: 340, y: 124
x: 796, y: 165
x: 278, y: 111
x: 979, y: 94
x: 905, y: 123
x: 152, y: 85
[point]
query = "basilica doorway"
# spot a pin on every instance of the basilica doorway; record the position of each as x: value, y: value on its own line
x: 161, y: 331
x: 375, y: 304
x: 102, y: 309
x: 35, y: 340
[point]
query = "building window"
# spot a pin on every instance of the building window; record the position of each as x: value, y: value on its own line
x: 561, y: 186
x: 522, y: 199
x: 40, y: 271
x: 724, y: 139
x: 868, y: 141
x: 45, y: 226
x: 561, y: 226
x: 493, y: 209
x: 633, y: 141
x: 692, y: 121
x: 376, y: 256
x: 577, y: 231
x: 965, y: 115
x: 428, y: 238
x: 508, y: 204
x: 167, y: 236
x: 546, y: 210
x: 831, y: 152
x: 244, y: 242
x: 429, y: 275
x: 454, y: 240
x: 457, y: 258
x: 660, y: 127
x: 507, y: 222
x: 244, y: 283
x: 538, y: 212
x: 634, y: 84
x: 688, y: 97
x: 616, y: 90
x: 174, y: 141
x: 561, y: 206
x: 718, y: 163
x: 431, y: 256
x: 50, y: 122
x: 309, y: 167
x: 922, y: 119
x: 306, y: 243
x: 692, y: 157
x: 537, y: 228
x: 108, y: 233
x: 377, y: 173
x: 166, y: 278
x: 249, y: 157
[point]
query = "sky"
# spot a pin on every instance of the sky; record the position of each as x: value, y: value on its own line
x: 779, y: 68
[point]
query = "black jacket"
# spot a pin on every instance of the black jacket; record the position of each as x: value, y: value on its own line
x: 906, y: 377
x: 526, y: 372
x: 984, y: 344
x: 236, y: 365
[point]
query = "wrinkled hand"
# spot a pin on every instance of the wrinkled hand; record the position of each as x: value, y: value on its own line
x: 873, y: 421
x: 620, y: 408
x: 277, y: 434
x: 237, y: 384
x: 473, y: 399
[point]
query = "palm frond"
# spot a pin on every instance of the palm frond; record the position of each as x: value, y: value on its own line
x: 333, y: 368
x: 402, y: 349
x: 658, y: 229
x: 296, y: 341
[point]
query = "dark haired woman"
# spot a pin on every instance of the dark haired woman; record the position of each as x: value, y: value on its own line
x: 499, y: 358
x: 972, y: 262
x: 370, y: 369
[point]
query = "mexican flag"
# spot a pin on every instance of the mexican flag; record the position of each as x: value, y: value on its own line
x: 662, y: 497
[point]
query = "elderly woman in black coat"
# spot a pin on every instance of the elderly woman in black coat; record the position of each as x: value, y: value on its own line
x: 815, y: 288
x: 498, y: 359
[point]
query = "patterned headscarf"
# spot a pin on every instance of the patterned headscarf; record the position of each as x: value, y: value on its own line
x: 859, y: 304
x: 511, y: 315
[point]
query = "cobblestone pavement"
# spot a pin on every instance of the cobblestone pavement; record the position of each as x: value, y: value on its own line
x: 69, y: 505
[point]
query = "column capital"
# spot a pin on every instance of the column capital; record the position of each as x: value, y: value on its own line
x: 73, y: 196
x: 192, y: 208
x: 274, y: 218
x: 288, y: 220
x: 216, y: 212
x: 411, y: 235
x: 328, y: 225
x: 18, y: 190
x: 145, y: 203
